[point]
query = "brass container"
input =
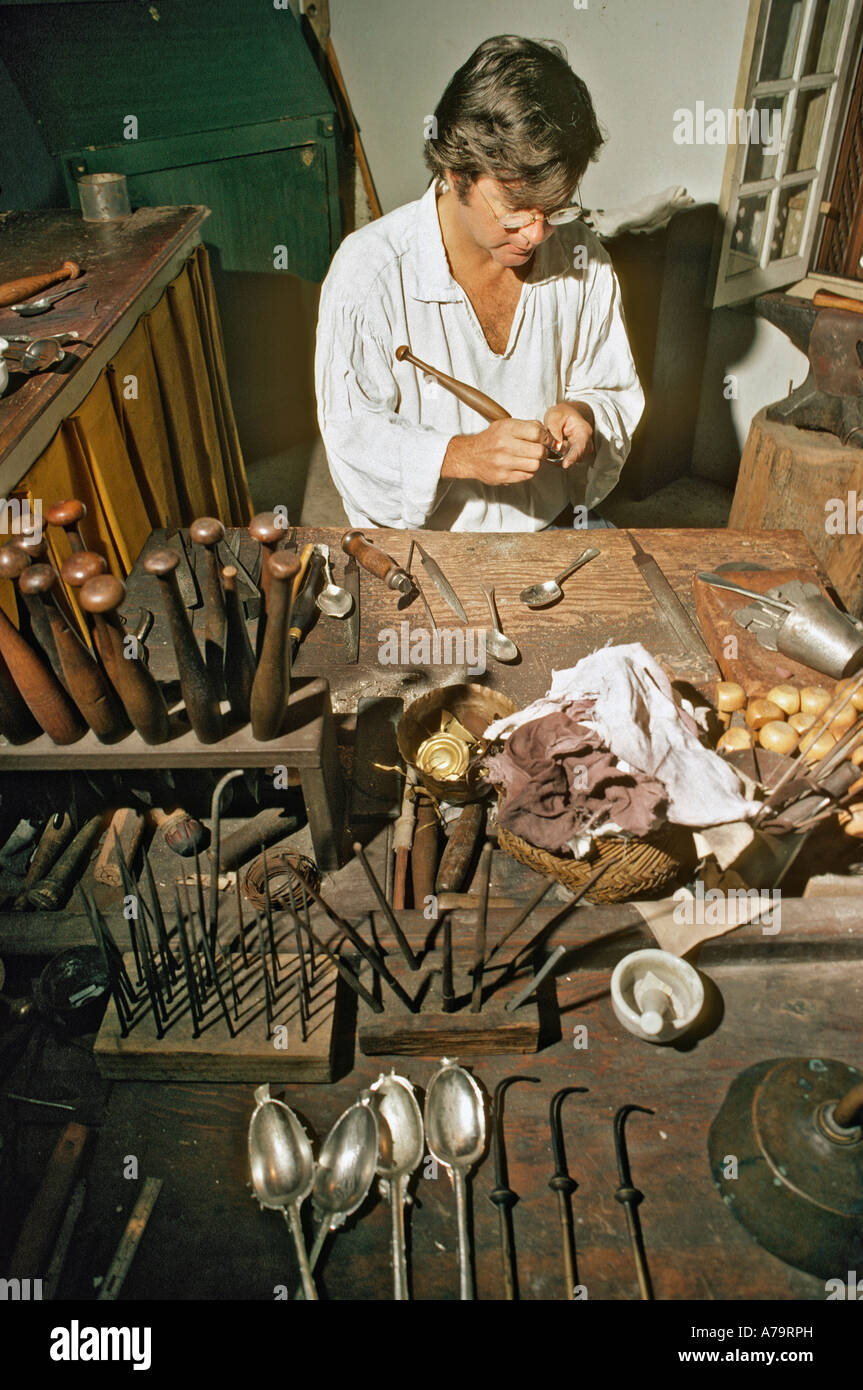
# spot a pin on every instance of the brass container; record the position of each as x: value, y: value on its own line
x: 475, y: 707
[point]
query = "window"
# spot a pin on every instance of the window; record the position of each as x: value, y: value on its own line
x: 792, y: 91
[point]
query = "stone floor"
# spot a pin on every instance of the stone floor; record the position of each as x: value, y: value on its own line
x: 300, y: 479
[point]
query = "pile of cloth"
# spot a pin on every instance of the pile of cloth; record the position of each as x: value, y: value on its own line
x: 609, y: 750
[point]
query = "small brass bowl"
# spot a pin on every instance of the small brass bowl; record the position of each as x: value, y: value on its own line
x: 475, y: 707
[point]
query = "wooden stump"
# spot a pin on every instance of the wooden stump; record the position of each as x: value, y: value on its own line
x: 795, y: 479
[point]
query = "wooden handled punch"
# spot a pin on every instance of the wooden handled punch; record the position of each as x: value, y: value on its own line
x: 52, y: 890
x: 84, y: 678
x: 460, y: 849
x: 304, y: 609
x: 424, y: 852
x: 33, y: 622
x: 376, y: 561
x: 67, y: 516
x: 265, y: 529
x: 202, y: 705
x: 239, y: 657
x: 14, y: 290
x: 44, y: 695
x: 272, y: 685
x: 208, y: 531
x: 267, y: 532
x: 31, y: 542
x: 75, y: 570
x: 477, y: 400
x: 16, y: 721
x: 100, y: 597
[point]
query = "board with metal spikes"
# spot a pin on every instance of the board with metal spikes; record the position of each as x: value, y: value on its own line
x: 196, y: 1044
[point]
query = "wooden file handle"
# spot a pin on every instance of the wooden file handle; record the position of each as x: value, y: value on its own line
x: 376, y: 561
x: 477, y: 400
x: 460, y: 849
x: 13, y: 290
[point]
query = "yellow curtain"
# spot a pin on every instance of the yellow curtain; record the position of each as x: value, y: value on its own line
x: 155, y: 442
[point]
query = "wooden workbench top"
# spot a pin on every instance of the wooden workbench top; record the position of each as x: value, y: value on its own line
x: 605, y: 602
x: 120, y: 261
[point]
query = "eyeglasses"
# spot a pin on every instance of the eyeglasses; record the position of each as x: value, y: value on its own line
x: 517, y: 221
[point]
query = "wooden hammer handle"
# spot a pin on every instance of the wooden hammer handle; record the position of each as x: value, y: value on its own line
x: 13, y: 290
x: 477, y: 400
x: 826, y: 299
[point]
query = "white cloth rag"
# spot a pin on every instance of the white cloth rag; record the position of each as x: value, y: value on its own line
x: 647, y: 215
x: 639, y: 722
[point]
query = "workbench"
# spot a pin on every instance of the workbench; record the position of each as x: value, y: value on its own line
x: 136, y: 422
x: 795, y: 993
x: 127, y: 265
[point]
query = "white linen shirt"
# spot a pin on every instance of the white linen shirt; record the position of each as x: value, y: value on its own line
x: 386, y: 425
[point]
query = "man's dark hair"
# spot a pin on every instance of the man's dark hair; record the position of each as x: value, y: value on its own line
x: 517, y: 112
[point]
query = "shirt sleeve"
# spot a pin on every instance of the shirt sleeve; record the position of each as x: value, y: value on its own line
x: 603, y: 375
x: 386, y: 468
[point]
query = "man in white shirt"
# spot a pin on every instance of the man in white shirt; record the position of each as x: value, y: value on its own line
x: 491, y: 278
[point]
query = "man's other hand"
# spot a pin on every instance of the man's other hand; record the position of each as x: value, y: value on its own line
x: 509, y: 451
x: 571, y: 424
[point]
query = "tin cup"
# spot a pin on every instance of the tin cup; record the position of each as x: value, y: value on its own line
x: 816, y: 633
x: 103, y: 197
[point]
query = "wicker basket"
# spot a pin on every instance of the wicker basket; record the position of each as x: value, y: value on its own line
x: 637, y: 868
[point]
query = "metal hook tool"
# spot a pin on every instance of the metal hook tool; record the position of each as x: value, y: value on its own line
x: 503, y: 1196
x: 561, y: 1183
x: 630, y: 1197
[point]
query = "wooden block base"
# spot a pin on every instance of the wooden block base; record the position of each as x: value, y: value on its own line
x: 432, y: 1033
x: 215, y: 1056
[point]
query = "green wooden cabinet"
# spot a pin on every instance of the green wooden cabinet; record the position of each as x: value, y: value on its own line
x: 196, y: 101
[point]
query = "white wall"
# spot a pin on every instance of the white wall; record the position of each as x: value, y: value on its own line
x: 641, y: 60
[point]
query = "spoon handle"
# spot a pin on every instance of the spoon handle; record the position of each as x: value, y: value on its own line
x: 320, y: 1236
x: 465, y: 1277
x: 492, y: 607
x: 398, y: 1191
x: 719, y: 583
x: 583, y: 559
x: 292, y: 1216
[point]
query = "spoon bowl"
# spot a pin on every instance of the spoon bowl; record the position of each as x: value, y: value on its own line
x: 401, y: 1142
x: 332, y: 600
x: 282, y: 1168
x: 345, y: 1169
x: 455, y: 1132
x: 501, y: 647
x: 42, y: 305
x: 548, y: 591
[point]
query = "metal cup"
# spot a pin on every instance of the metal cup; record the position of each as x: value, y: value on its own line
x: 817, y: 634
x: 103, y: 197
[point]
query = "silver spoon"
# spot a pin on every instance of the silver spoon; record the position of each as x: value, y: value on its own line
x: 345, y: 1169
x: 71, y: 337
x: 37, y: 356
x: 283, y: 1169
x: 455, y: 1133
x: 549, y: 590
x: 336, y: 602
x: 500, y: 646
x: 401, y: 1142
x: 41, y: 306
